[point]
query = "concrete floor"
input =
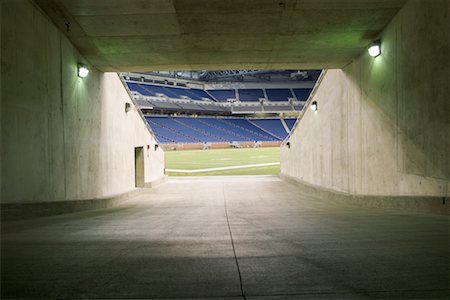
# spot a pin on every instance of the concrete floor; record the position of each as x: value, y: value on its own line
x: 175, y: 242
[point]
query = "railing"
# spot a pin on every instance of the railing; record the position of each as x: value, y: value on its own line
x: 305, y: 107
x: 219, y: 106
x: 139, y: 112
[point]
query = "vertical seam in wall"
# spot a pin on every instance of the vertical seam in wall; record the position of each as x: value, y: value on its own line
x: 61, y: 89
x: 49, y: 166
x: 349, y: 172
x: 1, y: 104
x: 399, y: 161
x: 332, y: 152
x: 360, y: 138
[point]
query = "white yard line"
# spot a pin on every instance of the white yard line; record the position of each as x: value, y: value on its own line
x: 223, y: 168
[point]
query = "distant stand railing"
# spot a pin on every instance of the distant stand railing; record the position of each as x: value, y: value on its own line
x: 305, y: 107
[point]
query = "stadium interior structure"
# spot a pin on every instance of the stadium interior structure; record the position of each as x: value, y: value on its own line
x: 235, y: 108
x: 359, y: 209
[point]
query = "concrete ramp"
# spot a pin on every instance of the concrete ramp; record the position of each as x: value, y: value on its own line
x: 222, y: 238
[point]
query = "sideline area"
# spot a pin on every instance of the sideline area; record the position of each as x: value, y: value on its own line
x: 223, y: 168
x: 220, y: 162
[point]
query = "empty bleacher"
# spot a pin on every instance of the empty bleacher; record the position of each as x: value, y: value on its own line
x: 279, y: 94
x: 290, y: 122
x: 302, y: 94
x: 273, y: 126
x: 139, y: 88
x: 248, y: 129
x: 168, y: 91
x: 166, y: 134
x: 222, y: 95
x: 228, y: 132
x: 188, y: 130
x: 202, y: 94
x: 205, y: 125
x: 250, y: 94
x: 170, y: 99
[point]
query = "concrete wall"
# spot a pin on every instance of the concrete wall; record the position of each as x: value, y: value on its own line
x: 1, y: 114
x: 383, y: 124
x: 63, y: 137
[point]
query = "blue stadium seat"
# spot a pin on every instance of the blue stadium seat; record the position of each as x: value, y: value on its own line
x: 229, y: 131
x: 290, y: 123
x: 273, y: 126
x: 166, y: 135
x: 245, y: 95
x: 138, y: 88
x: 198, y: 130
x: 279, y: 94
x: 167, y: 127
x: 250, y: 94
x: 156, y: 89
x: 302, y: 94
x: 222, y: 95
x: 171, y: 92
x: 200, y: 94
x: 212, y: 129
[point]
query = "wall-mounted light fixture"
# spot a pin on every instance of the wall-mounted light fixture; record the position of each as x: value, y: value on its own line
x: 127, y: 106
x: 374, y: 48
x: 83, y: 70
x: 314, y: 105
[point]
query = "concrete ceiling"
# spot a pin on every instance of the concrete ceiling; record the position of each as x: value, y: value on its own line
x: 145, y: 35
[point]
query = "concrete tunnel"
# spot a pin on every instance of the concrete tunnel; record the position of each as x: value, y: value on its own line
x: 360, y: 209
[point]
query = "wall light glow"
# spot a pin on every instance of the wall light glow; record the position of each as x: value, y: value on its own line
x: 375, y: 48
x: 83, y: 71
x: 314, y: 105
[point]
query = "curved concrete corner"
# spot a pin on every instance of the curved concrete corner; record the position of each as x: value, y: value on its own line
x: 381, y: 132
x: 64, y: 138
x: 422, y: 204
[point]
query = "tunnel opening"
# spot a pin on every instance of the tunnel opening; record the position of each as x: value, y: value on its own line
x: 359, y: 208
x: 223, y: 122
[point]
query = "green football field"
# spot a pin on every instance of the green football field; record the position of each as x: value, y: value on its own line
x: 223, y: 162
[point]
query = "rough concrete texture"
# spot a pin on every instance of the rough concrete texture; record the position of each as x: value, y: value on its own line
x: 181, y: 242
x: 382, y: 127
x: 63, y: 137
x: 142, y: 35
x: 418, y: 204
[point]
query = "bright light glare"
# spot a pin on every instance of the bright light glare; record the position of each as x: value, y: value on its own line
x: 83, y: 71
x: 375, y: 49
x: 314, y: 106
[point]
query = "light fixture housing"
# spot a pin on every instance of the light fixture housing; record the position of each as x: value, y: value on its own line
x: 127, y: 106
x: 375, y: 48
x: 313, y: 105
x: 83, y: 70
